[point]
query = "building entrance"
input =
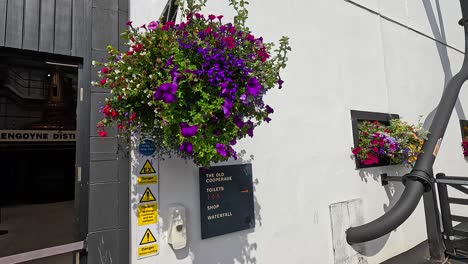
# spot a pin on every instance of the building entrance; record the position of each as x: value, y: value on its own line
x: 38, y: 106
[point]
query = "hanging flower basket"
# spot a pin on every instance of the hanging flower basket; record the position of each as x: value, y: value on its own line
x: 197, y: 86
x: 395, y: 143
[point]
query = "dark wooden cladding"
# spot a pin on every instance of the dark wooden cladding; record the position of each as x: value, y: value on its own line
x: 78, y: 29
x: 47, y: 26
x: 14, y: 23
x: 3, y: 5
x: 63, y: 26
x: 31, y: 24
x: 40, y: 25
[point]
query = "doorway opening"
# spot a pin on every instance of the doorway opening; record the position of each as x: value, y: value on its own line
x: 38, y: 113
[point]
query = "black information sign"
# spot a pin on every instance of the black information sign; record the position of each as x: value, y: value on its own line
x: 226, y: 199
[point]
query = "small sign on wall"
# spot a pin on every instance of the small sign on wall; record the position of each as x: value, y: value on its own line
x: 226, y: 199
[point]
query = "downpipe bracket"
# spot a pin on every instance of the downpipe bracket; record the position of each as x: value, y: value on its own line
x: 418, y: 175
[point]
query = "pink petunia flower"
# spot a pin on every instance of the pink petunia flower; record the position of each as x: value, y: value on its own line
x: 102, y: 133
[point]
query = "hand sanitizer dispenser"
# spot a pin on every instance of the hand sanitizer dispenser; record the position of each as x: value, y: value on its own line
x: 177, y: 234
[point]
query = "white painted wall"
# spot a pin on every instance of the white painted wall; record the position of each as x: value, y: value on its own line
x: 343, y: 58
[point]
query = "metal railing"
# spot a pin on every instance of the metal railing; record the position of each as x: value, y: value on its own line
x: 455, y: 237
x: 43, y: 253
x: 25, y: 87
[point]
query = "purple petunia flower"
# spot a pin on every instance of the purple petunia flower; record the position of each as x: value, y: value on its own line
x: 227, y: 106
x: 233, y: 91
x: 158, y: 95
x: 250, y: 128
x: 232, y: 152
x: 168, y: 87
x: 188, y: 131
x: 253, y: 87
x: 280, y: 83
x: 221, y: 149
x: 267, y: 119
x: 169, y: 61
x: 269, y: 109
x: 233, y: 142
x: 175, y: 74
x: 166, y: 92
x: 186, y: 147
x: 238, y: 122
x: 224, y: 89
x: 169, y: 98
x: 153, y: 25
x: 243, y: 98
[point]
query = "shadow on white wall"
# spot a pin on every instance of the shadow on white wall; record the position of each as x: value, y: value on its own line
x: 393, y: 191
x: 439, y: 33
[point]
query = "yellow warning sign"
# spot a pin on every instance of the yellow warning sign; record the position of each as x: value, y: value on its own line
x: 148, y: 250
x: 147, y: 168
x: 147, y: 179
x: 147, y: 214
x: 147, y: 196
x: 147, y: 238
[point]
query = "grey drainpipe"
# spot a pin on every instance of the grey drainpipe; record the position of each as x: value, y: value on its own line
x: 420, y: 179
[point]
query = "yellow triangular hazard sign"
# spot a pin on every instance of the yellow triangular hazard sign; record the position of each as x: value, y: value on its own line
x: 147, y: 196
x: 147, y: 168
x: 147, y: 238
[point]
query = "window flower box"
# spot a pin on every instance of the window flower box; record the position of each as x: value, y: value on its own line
x: 387, y: 142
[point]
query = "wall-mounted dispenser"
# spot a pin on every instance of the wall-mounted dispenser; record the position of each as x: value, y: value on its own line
x: 177, y: 234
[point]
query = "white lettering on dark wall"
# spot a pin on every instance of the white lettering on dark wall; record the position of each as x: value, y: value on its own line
x: 217, y: 216
x: 220, y: 179
x: 212, y: 207
x: 217, y: 177
x: 215, y: 189
x: 36, y: 135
